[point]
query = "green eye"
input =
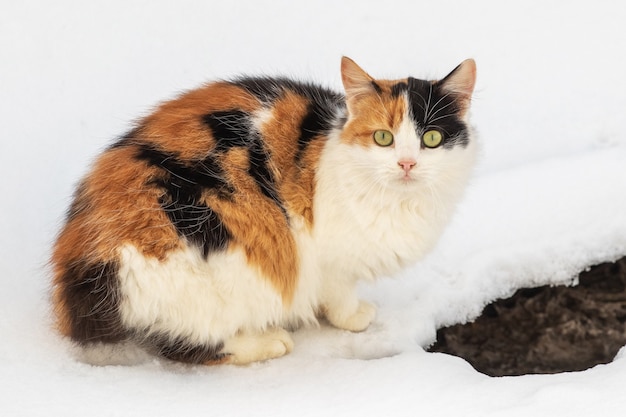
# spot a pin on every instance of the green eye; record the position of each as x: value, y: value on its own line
x: 383, y: 137
x: 432, y: 138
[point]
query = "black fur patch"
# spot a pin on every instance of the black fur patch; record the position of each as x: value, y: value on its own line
x: 183, y: 185
x: 197, y: 222
x: 230, y: 129
x: 434, y: 108
x: 265, y: 89
x: 183, y: 351
x: 317, y: 122
x: 191, y: 176
x: 268, y: 89
x: 234, y: 129
x: 260, y: 171
x: 398, y: 89
x: 92, y: 295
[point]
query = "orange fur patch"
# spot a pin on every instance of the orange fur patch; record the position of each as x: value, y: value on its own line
x: 296, y: 182
x: 124, y: 209
x: 302, y: 189
x: 374, y: 112
x: 283, y: 128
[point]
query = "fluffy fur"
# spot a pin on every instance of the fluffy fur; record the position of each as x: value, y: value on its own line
x: 251, y: 206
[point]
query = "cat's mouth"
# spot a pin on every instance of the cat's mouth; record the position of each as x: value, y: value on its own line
x: 407, y: 178
x: 404, y: 183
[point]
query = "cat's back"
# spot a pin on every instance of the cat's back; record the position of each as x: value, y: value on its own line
x: 284, y: 114
x: 252, y: 136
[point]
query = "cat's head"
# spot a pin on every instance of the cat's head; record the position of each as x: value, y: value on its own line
x: 409, y: 134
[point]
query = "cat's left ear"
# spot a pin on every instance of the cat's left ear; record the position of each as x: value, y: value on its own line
x: 461, y: 82
x: 356, y: 82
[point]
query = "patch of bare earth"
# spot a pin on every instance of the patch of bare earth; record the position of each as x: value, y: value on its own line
x: 546, y: 329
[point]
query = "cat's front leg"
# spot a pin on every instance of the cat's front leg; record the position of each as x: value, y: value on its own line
x: 245, y: 348
x: 345, y: 311
x: 356, y: 321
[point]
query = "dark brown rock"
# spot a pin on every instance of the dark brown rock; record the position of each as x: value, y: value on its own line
x: 546, y: 329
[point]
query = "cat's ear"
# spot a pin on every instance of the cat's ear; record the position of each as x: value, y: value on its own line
x: 461, y: 81
x: 356, y: 82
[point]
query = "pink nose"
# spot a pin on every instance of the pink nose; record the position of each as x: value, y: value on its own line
x: 407, y: 164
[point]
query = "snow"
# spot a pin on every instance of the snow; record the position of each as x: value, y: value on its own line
x: 547, y: 199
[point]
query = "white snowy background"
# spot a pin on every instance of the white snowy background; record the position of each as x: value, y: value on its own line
x: 548, y: 198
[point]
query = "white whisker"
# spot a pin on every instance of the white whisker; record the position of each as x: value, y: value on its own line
x: 434, y: 113
x: 430, y: 93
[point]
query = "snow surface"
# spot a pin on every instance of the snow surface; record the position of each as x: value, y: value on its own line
x: 548, y: 198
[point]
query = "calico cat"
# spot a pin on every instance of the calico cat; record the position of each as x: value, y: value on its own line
x: 251, y: 206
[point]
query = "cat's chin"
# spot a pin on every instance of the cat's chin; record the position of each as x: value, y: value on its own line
x: 403, y: 183
x: 406, y: 180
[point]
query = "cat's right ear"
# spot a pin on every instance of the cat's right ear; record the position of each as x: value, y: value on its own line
x: 461, y: 82
x: 356, y: 82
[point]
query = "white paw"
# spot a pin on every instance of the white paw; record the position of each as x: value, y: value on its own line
x: 356, y: 322
x: 247, y: 348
